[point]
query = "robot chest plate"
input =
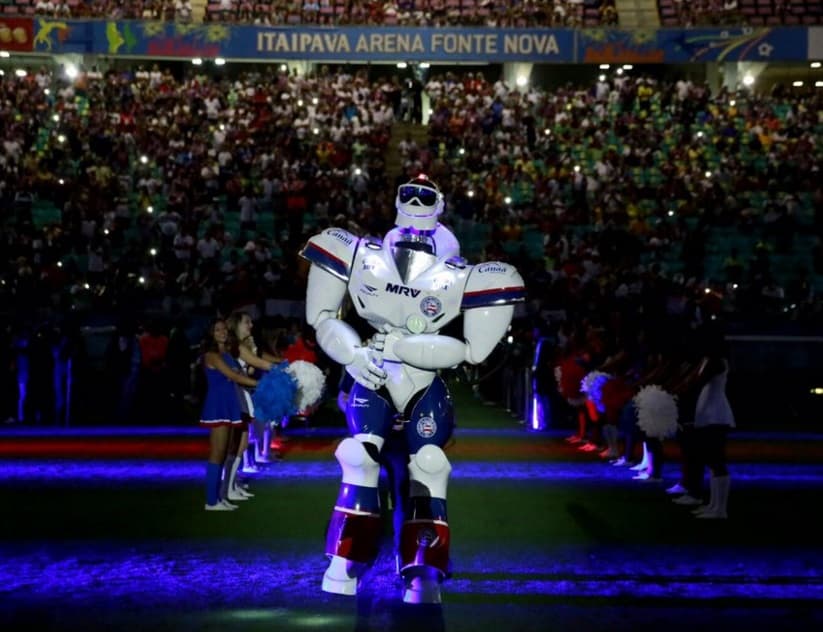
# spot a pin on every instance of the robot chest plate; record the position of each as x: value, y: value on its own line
x: 423, y: 305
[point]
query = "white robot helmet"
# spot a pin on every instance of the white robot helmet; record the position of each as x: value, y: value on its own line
x: 419, y: 202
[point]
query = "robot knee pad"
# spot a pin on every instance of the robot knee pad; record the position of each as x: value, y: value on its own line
x: 359, y: 468
x: 430, y: 468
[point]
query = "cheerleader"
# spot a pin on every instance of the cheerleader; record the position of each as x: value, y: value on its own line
x: 221, y: 409
x: 273, y: 341
x: 713, y: 418
x: 244, y: 360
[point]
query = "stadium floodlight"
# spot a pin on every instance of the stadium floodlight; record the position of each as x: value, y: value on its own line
x: 219, y: 61
x: 522, y: 81
x: 798, y: 84
x: 748, y: 79
x: 814, y: 64
x: 20, y: 72
x: 283, y: 67
x: 197, y: 61
x: 72, y: 71
x: 627, y: 66
x: 402, y: 65
x: 4, y: 54
x: 604, y: 66
x: 424, y: 65
x: 818, y: 84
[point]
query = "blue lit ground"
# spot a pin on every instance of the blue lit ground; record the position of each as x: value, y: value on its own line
x: 553, y: 542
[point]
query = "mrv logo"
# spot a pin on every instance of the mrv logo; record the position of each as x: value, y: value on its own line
x: 402, y: 290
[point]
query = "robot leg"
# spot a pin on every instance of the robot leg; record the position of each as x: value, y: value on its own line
x: 352, y: 540
x: 354, y: 530
x: 425, y: 537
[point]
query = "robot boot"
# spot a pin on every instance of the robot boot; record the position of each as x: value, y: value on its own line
x: 425, y: 536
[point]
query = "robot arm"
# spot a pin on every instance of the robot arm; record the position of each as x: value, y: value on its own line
x: 331, y: 254
x: 491, y: 290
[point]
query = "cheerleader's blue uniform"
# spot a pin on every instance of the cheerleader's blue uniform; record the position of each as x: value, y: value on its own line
x: 222, y: 405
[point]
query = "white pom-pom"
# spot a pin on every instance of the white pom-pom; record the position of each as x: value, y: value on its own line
x: 593, y: 381
x: 656, y: 412
x: 592, y: 387
x: 310, y: 383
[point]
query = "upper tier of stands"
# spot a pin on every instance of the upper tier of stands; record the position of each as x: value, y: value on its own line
x: 679, y: 13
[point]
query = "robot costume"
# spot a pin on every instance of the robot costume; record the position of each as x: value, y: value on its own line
x: 407, y: 286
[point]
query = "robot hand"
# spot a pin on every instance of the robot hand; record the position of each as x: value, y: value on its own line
x: 366, y: 367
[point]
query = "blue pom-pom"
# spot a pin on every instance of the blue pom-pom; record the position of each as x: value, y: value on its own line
x: 274, y: 396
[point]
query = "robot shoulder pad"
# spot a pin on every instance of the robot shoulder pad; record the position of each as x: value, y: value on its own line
x: 333, y: 251
x: 493, y: 283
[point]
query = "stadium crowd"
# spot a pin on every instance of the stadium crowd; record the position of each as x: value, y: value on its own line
x: 556, y: 13
x: 135, y: 193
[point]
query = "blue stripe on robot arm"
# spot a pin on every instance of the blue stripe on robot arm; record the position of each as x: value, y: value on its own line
x: 493, y: 297
x: 325, y: 260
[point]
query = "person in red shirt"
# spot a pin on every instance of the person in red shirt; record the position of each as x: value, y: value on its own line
x: 303, y: 348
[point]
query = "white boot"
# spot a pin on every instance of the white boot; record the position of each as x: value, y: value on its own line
x: 720, y: 499
x: 712, y: 496
x: 644, y: 464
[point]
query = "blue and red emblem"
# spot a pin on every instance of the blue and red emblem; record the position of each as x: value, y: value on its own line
x: 431, y: 306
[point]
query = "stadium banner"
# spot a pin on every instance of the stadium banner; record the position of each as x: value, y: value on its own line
x: 698, y: 45
x: 16, y: 34
x: 169, y: 39
x: 443, y: 45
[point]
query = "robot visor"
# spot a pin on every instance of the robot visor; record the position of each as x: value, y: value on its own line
x: 424, y: 195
